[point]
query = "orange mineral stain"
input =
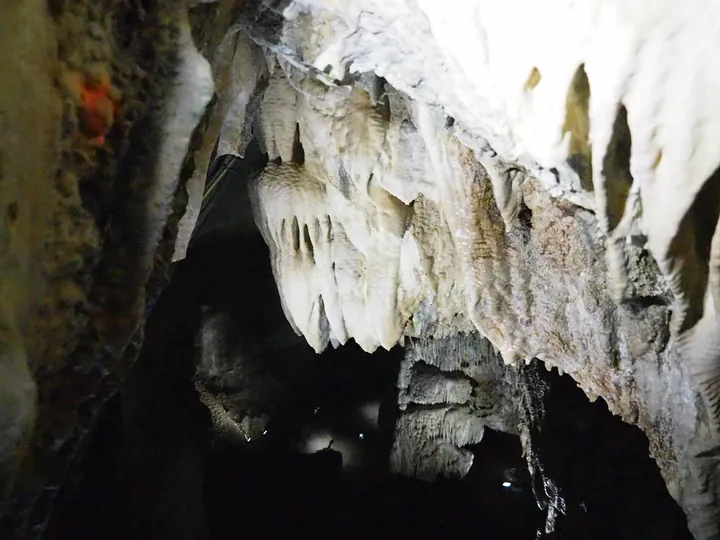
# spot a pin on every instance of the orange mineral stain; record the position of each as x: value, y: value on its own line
x: 97, y: 108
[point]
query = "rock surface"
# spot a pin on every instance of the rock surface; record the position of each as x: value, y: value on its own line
x: 449, y: 390
x: 98, y: 115
x: 556, y: 198
x: 435, y: 169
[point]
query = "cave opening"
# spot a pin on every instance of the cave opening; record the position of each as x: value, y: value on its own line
x: 320, y: 428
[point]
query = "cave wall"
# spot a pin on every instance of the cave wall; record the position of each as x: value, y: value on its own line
x: 102, y: 109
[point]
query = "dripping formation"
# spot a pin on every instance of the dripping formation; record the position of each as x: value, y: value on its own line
x: 418, y: 171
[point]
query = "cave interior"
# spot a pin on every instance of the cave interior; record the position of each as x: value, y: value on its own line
x: 328, y: 269
x: 171, y: 476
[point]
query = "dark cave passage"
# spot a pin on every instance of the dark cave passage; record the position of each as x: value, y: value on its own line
x: 140, y: 480
x: 266, y: 498
x: 155, y: 469
x: 610, y: 485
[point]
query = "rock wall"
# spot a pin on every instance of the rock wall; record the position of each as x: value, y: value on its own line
x: 101, y: 107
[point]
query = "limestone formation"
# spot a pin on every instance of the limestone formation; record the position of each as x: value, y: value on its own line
x: 548, y: 181
x: 551, y: 187
x: 449, y: 390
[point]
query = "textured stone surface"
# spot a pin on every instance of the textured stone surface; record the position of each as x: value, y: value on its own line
x: 466, y: 193
x: 449, y: 390
x: 98, y: 110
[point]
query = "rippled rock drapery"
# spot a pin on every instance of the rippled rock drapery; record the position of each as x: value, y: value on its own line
x: 449, y: 390
x: 377, y: 269
x: 422, y: 185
